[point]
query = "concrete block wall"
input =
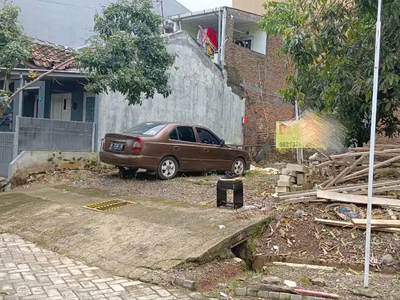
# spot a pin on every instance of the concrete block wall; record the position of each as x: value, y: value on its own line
x: 200, y: 95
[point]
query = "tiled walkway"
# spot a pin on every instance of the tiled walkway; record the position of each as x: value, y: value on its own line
x: 30, y: 272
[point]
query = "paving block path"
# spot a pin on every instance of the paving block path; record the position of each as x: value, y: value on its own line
x: 30, y: 272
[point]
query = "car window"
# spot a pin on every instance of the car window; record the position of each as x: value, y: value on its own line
x: 150, y: 129
x: 207, y: 137
x: 186, y: 134
x: 174, y: 135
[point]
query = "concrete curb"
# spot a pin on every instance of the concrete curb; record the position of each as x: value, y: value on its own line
x: 253, y: 292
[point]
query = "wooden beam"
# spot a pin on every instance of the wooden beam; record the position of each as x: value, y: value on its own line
x: 351, y: 225
x: 356, y: 199
x: 355, y: 154
x: 379, y: 190
x: 377, y: 223
x: 365, y: 171
x: 334, y: 223
x: 346, y: 171
x: 310, y: 193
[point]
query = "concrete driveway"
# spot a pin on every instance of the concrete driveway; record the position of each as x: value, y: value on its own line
x: 132, y: 241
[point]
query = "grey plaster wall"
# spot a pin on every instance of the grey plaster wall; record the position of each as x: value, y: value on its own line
x: 199, y: 95
x: 69, y: 22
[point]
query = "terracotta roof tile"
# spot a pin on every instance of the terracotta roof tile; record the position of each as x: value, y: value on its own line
x: 47, y: 55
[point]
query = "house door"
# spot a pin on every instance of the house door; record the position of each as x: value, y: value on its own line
x: 61, y: 107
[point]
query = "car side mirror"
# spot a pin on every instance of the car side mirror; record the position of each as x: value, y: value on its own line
x: 222, y: 143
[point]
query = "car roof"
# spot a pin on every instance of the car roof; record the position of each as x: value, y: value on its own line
x: 173, y: 123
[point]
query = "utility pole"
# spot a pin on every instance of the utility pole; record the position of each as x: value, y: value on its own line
x: 372, y: 143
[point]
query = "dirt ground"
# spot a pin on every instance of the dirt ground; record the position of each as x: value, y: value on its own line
x: 293, y: 235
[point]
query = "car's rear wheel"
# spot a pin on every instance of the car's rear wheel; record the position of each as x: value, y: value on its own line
x: 238, y: 167
x: 168, y: 168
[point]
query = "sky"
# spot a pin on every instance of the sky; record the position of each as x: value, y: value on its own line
x: 197, y: 5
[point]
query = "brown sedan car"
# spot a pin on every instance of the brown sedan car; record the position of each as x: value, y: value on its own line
x: 169, y: 148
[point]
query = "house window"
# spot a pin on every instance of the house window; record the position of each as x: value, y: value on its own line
x: 89, y: 106
x: 246, y: 43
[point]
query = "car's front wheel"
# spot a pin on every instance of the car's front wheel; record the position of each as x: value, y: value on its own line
x: 238, y: 167
x: 168, y: 168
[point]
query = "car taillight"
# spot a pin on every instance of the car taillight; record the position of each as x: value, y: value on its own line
x: 137, y: 145
x: 104, y: 142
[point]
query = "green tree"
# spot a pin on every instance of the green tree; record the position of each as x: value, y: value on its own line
x: 128, y: 53
x: 14, y: 48
x: 331, y: 43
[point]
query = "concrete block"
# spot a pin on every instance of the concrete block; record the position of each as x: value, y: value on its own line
x: 263, y: 294
x: 179, y: 281
x: 241, y: 291
x: 284, y: 296
x: 285, y: 177
x: 252, y: 291
x: 288, y: 172
x: 189, y: 284
x: 296, y: 297
x: 296, y: 188
x: 282, y: 189
x: 274, y: 295
x: 297, y: 168
x: 301, y: 178
x: 285, y: 183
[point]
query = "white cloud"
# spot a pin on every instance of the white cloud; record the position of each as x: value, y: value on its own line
x: 196, y: 5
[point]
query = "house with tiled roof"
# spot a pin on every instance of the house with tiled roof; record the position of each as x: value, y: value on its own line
x: 59, y: 96
x: 56, y: 113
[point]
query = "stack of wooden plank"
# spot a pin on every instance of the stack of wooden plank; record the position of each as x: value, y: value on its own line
x: 294, y: 178
x: 353, y: 194
x: 346, y: 194
x: 355, y: 164
x: 376, y: 225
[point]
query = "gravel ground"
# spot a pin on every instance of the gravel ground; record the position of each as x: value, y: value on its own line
x: 193, y: 188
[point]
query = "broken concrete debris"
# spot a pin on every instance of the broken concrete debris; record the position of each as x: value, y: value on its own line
x: 361, y: 291
x: 318, y: 282
x: 289, y: 283
x: 3, y: 183
x: 294, y: 178
x: 271, y: 280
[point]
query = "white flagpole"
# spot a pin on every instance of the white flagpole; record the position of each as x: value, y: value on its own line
x: 372, y: 144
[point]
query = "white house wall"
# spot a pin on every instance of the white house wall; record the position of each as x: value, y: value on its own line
x: 199, y: 95
x: 258, y: 37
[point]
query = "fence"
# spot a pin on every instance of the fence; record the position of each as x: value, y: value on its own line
x: 8, y: 151
x: 51, y: 135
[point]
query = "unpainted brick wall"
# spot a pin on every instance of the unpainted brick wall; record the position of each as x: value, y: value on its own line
x: 258, y: 78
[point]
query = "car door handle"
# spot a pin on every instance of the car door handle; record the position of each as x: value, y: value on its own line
x: 177, y: 147
x: 206, y: 150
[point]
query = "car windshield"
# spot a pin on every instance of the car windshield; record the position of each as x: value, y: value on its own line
x: 150, y: 129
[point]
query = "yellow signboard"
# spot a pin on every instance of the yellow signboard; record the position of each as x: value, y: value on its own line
x: 288, y: 136
x: 311, y: 131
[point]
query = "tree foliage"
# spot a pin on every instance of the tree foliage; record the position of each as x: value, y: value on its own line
x: 128, y: 53
x: 331, y: 43
x: 14, y: 47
